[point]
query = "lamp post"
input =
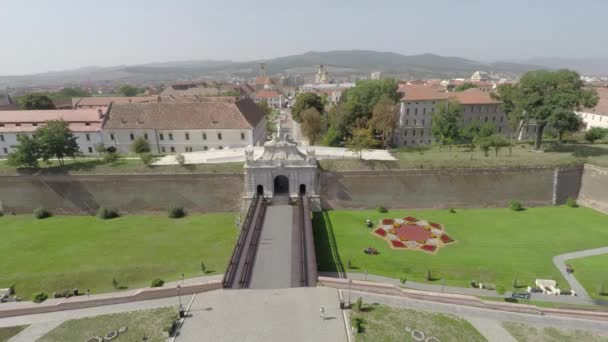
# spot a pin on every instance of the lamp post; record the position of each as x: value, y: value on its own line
x: 182, y: 279
x: 350, y: 282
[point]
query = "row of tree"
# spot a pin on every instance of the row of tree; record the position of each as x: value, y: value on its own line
x: 53, y: 140
x: 366, y: 114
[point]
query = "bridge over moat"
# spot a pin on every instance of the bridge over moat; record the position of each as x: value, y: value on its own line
x: 275, y: 248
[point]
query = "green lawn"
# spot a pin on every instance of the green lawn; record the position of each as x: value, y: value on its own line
x: 384, y: 323
x: 95, y: 166
x: 139, y: 323
x: 66, y: 252
x: 459, y: 157
x: 528, y: 333
x: 592, y: 272
x: 493, y: 245
x: 8, y: 332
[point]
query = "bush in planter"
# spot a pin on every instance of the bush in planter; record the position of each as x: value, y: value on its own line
x: 40, y: 297
x: 571, y: 202
x: 41, y: 213
x: 176, y: 212
x: 382, y: 209
x: 157, y: 282
x: 106, y: 214
x: 516, y: 206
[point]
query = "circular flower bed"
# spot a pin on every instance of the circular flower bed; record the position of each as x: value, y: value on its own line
x: 413, y: 234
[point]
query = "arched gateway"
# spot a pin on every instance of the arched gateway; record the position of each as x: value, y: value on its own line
x: 281, y: 185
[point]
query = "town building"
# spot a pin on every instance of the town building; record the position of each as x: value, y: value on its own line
x: 201, y: 89
x: 178, y: 127
x: 481, y: 76
x: 272, y: 97
x: 598, y: 115
x: 418, y: 104
x: 322, y: 76
x: 84, y: 123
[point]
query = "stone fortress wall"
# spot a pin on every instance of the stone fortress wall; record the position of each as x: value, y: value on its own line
x: 339, y: 190
x: 594, y: 188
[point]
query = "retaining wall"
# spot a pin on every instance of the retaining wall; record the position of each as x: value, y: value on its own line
x: 448, y: 188
x: 594, y: 188
x: 127, y: 193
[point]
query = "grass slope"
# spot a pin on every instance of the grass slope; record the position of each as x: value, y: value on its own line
x: 139, y: 323
x: 66, y: 252
x: 7, y: 332
x: 591, y: 272
x: 493, y: 245
x: 384, y: 323
x: 528, y: 333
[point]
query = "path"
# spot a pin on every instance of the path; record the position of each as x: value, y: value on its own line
x: 491, y: 330
x: 560, y: 263
x: 455, y: 289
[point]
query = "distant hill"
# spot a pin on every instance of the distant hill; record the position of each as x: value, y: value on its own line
x: 339, y: 63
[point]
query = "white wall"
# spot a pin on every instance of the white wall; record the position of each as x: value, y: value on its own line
x: 87, y: 146
x: 594, y: 120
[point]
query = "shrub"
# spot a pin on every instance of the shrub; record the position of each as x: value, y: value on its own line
x: 181, y: 160
x: 452, y: 211
x: 203, y: 267
x: 571, y: 202
x: 1, y: 213
x: 140, y: 146
x: 40, y: 297
x: 382, y: 209
x: 595, y: 133
x: 358, y: 324
x: 157, y: 282
x: 176, y: 212
x: 41, y: 213
x: 516, y: 206
x: 106, y: 214
x: 146, y: 158
x: 359, y: 304
x: 501, y: 290
x: 428, y: 276
x: 110, y: 157
x: 115, y: 283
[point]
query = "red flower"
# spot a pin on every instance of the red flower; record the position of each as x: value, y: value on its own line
x: 446, y: 239
x: 388, y: 221
x: 429, y: 248
x: 435, y: 225
x: 380, y: 232
x: 398, y: 244
x: 411, y: 219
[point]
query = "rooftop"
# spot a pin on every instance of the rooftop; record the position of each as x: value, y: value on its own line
x: 106, y: 101
x: 29, y: 120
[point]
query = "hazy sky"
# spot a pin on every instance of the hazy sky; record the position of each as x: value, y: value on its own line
x: 43, y: 35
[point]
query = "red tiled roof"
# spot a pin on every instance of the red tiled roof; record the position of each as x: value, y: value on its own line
x: 267, y: 94
x: 473, y: 96
x: 76, y: 118
x: 105, y: 101
x: 421, y: 93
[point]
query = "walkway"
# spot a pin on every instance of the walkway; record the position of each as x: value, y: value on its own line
x: 574, y: 300
x: 273, y: 263
x: 560, y: 263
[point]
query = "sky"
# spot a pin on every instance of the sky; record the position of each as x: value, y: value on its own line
x: 50, y: 35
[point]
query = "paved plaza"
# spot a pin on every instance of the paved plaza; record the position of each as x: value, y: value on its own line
x: 265, y: 316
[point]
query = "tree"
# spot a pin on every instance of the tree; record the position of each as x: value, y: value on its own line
x: 565, y: 121
x: 362, y: 139
x: 506, y: 94
x: 465, y: 86
x: 26, y: 153
x: 311, y: 124
x: 68, y: 93
x: 57, y: 140
x: 383, y: 119
x: 140, y: 145
x: 543, y: 94
x: 127, y: 90
x: 33, y: 101
x: 305, y: 101
x: 447, y: 122
x: 595, y: 133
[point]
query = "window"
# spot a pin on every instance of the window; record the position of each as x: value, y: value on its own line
x: 146, y: 136
x: 88, y: 137
x: 493, y: 119
x: 422, y: 122
x: 90, y: 150
x: 86, y: 124
x: 242, y: 136
x: 407, y: 122
x: 161, y: 136
x: 187, y: 136
x: 415, y: 122
x: 17, y: 124
x: 421, y: 132
x: 205, y: 148
x: 172, y: 149
x: 407, y: 111
x: 416, y: 110
x: 34, y: 124
x: 413, y: 132
x: 499, y: 129
x: 204, y: 136
x: 5, y: 150
x: 1, y: 137
x: 132, y: 136
x: 188, y: 149
x: 485, y: 119
x: 405, y: 133
x: 111, y: 136
x: 219, y: 136
x: 423, y: 110
x: 501, y: 118
x: 163, y: 149
x: 170, y: 136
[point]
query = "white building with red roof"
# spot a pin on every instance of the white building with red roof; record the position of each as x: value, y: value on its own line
x: 598, y: 115
x: 85, y: 124
x: 272, y: 97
